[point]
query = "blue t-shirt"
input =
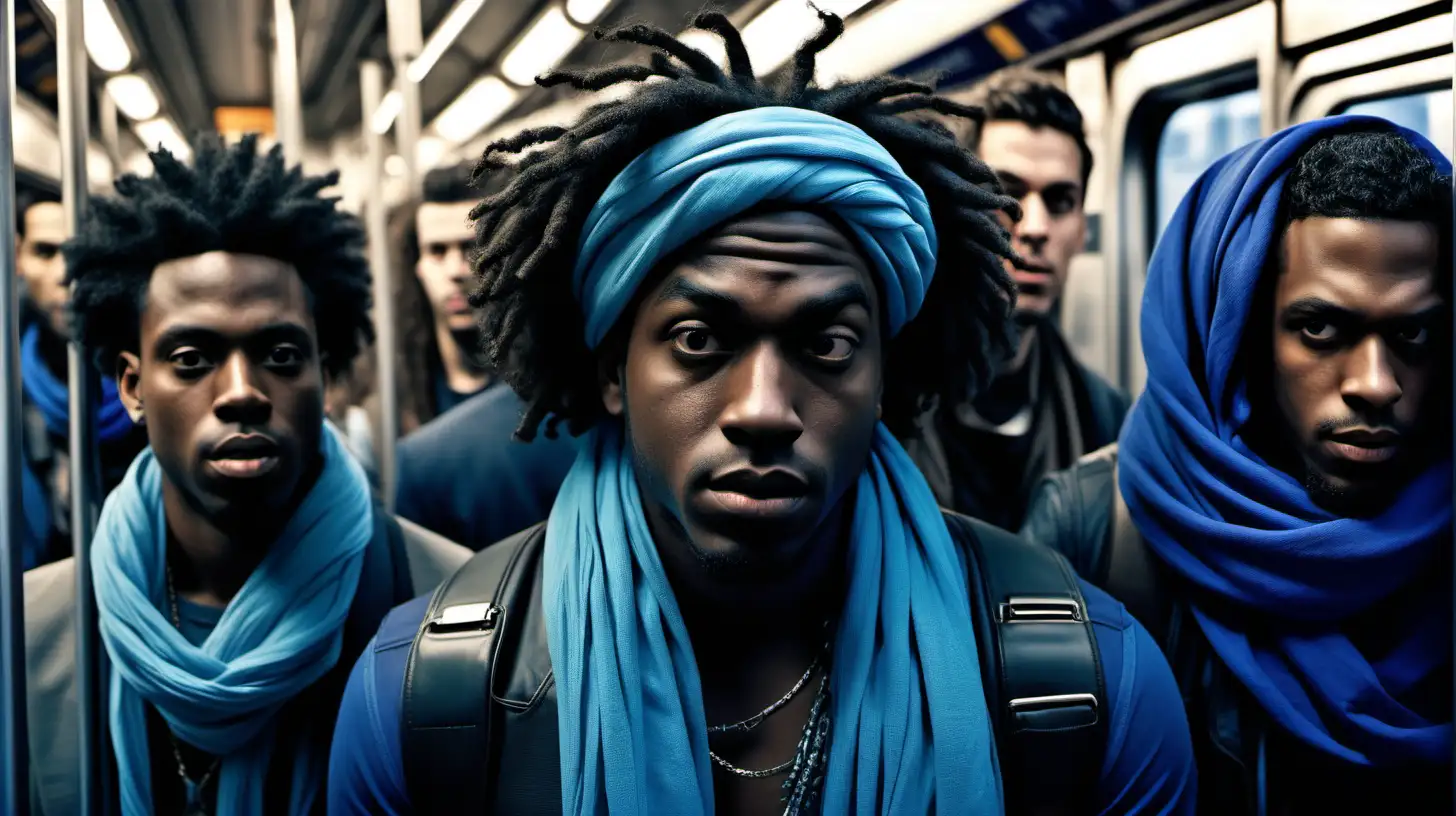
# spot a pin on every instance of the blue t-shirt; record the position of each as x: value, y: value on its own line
x: 1148, y: 767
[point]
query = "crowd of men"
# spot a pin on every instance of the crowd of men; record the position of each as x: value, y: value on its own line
x: 746, y: 470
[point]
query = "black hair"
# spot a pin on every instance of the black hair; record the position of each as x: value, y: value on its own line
x: 231, y: 200
x: 1034, y: 98
x: 1367, y: 174
x: 528, y: 232
x: 418, y: 349
x: 27, y: 197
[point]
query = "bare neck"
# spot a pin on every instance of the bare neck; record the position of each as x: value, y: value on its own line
x: 462, y: 371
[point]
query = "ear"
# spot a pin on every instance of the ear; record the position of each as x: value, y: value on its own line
x: 129, y: 385
x: 610, y: 372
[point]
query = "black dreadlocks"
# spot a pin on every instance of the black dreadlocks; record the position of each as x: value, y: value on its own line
x: 230, y: 200
x: 528, y: 232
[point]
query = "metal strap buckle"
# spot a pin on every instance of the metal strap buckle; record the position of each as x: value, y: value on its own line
x: 1041, y: 610
x: 461, y: 617
x: 1054, y: 701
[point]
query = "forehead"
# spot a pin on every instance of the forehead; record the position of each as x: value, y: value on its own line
x: 1378, y: 267
x: 225, y: 292
x: 45, y: 221
x: 765, y: 262
x: 1039, y: 156
x: 444, y: 222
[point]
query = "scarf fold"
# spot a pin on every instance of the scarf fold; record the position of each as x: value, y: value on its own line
x: 52, y: 397
x: 280, y: 634
x: 911, y: 731
x: 1246, y: 535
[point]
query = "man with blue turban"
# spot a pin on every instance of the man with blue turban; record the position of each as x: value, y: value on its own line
x: 745, y: 599
x: 1280, y: 502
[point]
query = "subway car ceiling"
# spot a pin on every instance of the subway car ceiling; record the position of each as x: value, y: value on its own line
x: 169, y: 67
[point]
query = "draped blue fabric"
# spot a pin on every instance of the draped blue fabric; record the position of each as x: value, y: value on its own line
x: 1247, y: 535
x: 52, y: 396
x: 911, y: 731
x: 280, y: 634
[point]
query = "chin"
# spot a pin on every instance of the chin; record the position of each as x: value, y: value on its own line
x: 733, y: 554
x: 1363, y: 498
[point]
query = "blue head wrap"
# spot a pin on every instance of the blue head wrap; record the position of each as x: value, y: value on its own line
x: 1246, y: 535
x: 911, y: 731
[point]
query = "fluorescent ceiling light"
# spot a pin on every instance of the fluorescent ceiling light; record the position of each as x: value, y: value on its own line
x: 586, y: 12
x: 430, y: 151
x: 482, y: 103
x: 394, y: 165
x: 546, y: 43
x: 108, y: 49
x: 442, y: 38
x: 134, y: 96
x: 776, y: 33
x: 707, y: 42
x: 389, y: 107
x: 161, y: 132
x: 896, y: 33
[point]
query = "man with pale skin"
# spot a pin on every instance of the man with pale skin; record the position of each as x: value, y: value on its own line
x: 1044, y: 409
x: 45, y: 387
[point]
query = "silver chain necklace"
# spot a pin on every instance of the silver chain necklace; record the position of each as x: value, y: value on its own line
x: 194, y: 790
x: 743, y: 726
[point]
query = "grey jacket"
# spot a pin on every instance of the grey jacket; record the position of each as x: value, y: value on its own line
x: 50, y: 663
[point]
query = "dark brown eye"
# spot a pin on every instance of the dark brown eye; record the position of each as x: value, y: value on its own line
x: 695, y: 341
x: 1318, y: 331
x: 834, y: 348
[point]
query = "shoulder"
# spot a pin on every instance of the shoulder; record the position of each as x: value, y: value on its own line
x: 1070, y: 510
x: 432, y: 557
x: 50, y: 593
x: 366, y: 764
x: 1148, y: 766
x: 493, y: 413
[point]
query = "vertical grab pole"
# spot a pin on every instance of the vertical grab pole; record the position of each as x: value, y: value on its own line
x: 371, y: 84
x: 83, y: 385
x: 406, y: 40
x: 14, y: 750
x: 287, y: 100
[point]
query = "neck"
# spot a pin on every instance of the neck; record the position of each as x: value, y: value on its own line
x: 211, y: 554
x: 53, y: 352
x: 463, y: 372
x: 753, y: 622
x: 1025, y: 343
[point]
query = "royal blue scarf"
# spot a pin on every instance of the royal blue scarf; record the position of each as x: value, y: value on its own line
x: 281, y: 633
x: 1247, y: 534
x: 52, y: 396
x: 911, y: 732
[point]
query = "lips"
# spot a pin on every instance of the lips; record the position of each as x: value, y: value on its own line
x: 244, y: 456
x: 758, y: 493
x: 457, y: 304
x: 1364, y: 446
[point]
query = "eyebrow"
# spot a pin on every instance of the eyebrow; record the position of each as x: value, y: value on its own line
x: 1009, y: 179
x: 181, y: 334
x: 1313, y: 307
x: 818, y: 307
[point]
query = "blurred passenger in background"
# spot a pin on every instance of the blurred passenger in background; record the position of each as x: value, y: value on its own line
x: 1278, y: 511
x: 1044, y: 409
x: 45, y: 389
x: 440, y: 364
x: 242, y: 563
x: 463, y: 474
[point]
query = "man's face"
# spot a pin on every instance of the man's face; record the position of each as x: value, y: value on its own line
x: 446, y: 237
x: 751, y: 388
x: 1041, y: 168
x: 1359, y: 326
x: 229, y: 381
x: 40, y: 264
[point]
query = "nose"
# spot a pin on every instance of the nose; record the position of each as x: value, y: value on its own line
x: 458, y: 259
x: 1369, y: 378
x: 1035, y: 223
x: 760, y: 413
x: 239, y: 399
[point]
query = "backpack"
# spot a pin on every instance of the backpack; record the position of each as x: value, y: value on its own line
x: 468, y: 723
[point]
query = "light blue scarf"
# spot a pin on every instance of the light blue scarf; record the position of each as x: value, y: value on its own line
x: 911, y: 732
x: 281, y: 633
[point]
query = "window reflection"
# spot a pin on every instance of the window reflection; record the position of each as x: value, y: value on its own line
x: 1198, y: 134
x: 1428, y: 114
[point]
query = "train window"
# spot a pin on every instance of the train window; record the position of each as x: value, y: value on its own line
x: 1428, y: 113
x: 1197, y: 135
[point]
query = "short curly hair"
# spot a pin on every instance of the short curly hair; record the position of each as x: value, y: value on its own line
x: 231, y: 200
x: 1037, y: 99
x: 528, y: 232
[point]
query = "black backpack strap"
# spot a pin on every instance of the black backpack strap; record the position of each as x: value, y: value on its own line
x: 1045, y: 686
x: 448, y: 712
